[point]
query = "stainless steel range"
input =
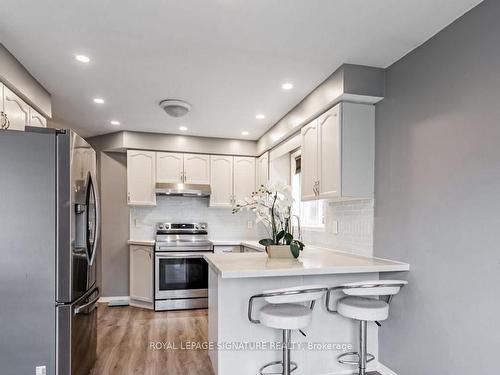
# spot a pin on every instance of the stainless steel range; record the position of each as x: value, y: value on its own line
x: 181, y: 273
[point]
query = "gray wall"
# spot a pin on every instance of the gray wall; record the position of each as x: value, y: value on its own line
x: 437, y: 205
x: 115, y: 224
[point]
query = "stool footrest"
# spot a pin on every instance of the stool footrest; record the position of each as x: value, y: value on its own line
x: 340, y: 358
x: 293, y: 367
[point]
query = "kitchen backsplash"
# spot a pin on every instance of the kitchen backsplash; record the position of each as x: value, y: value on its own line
x: 355, y: 227
x: 222, y: 224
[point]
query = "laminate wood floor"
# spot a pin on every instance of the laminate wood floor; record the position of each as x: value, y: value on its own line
x: 125, y: 334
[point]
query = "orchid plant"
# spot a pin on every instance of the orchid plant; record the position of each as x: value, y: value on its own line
x: 272, y: 206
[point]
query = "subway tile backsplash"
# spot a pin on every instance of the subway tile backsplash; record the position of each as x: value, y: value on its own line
x: 355, y: 227
x: 222, y: 224
x: 355, y: 223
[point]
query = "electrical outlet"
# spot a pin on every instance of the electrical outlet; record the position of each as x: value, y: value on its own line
x: 335, y: 227
x: 40, y: 370
x: 249, y: 224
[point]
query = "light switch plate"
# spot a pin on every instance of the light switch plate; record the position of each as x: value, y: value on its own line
x: 40, y: 370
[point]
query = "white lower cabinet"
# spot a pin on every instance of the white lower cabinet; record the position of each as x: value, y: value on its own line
x: 141, y: 275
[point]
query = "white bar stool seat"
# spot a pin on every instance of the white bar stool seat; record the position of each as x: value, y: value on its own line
x: 361, y: 308
x: 286, y: 309
x: 285, y: 316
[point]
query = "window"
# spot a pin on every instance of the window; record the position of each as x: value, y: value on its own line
x: 311, y: 213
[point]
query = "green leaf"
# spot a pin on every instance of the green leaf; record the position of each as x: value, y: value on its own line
x: 294, y: 248
x: 279, y: 236
x: 266, y: 242
x: 288, y: 238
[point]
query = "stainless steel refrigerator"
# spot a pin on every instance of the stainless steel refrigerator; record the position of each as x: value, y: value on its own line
x: 49, y: 241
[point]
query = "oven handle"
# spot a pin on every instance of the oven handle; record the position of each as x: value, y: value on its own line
x: 182, y: 255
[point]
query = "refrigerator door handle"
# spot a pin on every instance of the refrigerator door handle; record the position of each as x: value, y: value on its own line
x: 97, y: 230
x: 80, y: 309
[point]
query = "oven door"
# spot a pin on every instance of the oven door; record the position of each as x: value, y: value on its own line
x: 180, y: 275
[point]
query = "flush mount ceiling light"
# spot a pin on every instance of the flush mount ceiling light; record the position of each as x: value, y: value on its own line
x: 287, y: 86
x: 82, y: 58
x: 114, y: 122
x: 183, y: 128
x: 244, y: 132
x: 175, y: 108
x: 260, y: 116
x: 98, y: 100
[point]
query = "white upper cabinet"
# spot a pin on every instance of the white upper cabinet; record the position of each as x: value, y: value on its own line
x: 16, y: 110
x: 309, y: 161
x: 221, y: 181
x: 196, y: 169
x: 262, y: 174
x: 141, y: 177
x: 338, y: 153
x: 36, y: 119
x: 244, y: 177
x: 329, y: 153
x: 169, y: 167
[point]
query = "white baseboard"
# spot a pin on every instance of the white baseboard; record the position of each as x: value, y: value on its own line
x: 113, y: 299
x: 385, y: 370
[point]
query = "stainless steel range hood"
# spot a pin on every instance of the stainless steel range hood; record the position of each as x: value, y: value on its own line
x: 183, y: 190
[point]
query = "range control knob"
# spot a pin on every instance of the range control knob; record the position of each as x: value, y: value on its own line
x: 203, y: 226
x: 161, y: 226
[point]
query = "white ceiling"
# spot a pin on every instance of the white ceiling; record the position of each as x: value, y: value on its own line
x: 228, y: 58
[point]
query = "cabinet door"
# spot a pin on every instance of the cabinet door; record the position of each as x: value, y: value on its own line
x: 169, y: 167
x: 141, y: 273
x: 244, y: 177
x: 36, y: 119
x: 141, y: 177
x: 221, y: 181
x: 262, y: 170
x: 16, y: 109
x: 309, y: 161
x: 329, y: 153
x: 196, y: 169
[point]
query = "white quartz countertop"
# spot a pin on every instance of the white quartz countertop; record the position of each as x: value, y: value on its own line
x: 142, y: 242
x: 251, y: 244
x: 312, y: 261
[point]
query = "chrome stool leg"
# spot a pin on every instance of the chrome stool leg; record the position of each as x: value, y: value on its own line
x: 363, y: 357
x: 286, y: 364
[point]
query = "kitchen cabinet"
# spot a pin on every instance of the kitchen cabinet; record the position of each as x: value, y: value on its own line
x: 338, y: 154
x: 309, y: 161
x: 141, y: 178
x: 244, y: 177
x: 16, y: 110
x: 262, y: 173
x: 196, y: 169
x: 36, y: 119
x: 169, y: 167
x: 141, y: 274
x: 221, y: 181
x: 182, y: 168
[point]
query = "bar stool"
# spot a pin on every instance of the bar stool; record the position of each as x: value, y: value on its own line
x: 286, y: 309
x: 361, y: 303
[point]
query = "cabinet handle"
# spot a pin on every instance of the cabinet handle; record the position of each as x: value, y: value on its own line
x: 4, y: 120
x: 128, y: 197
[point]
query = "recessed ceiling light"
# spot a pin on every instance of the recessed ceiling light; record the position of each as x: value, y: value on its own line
x: 183, y: 128
x: 287, y: 86
x: 114, y: 122
x: 260, y: 116
x: 244, y: 132
x: 82, y: 58
x: 98, y: 101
